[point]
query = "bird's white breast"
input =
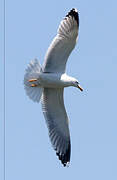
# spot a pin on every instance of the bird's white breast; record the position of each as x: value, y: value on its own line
x: 54, y: 80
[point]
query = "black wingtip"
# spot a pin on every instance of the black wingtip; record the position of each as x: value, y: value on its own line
x: 74, y: 13
x: 65, y: 158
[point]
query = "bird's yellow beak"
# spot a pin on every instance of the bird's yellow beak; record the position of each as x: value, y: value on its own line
x: 81, y: 89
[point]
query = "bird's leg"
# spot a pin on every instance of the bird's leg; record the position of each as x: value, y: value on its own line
x: 32, y: 80
x: 33, y: 85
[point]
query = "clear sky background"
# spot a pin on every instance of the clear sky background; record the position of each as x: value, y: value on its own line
x: 30, y: 27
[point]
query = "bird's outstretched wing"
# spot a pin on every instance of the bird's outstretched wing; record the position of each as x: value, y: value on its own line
x: 57, y: 122
x: 62, y: 45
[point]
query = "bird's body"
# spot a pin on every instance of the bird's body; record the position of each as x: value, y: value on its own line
x: 54, y: 80
x: 48, y: 82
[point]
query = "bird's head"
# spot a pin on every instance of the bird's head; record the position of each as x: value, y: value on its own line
x: 77, y: 84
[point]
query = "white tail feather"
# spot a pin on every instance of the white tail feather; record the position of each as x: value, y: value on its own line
x: 32, y: 72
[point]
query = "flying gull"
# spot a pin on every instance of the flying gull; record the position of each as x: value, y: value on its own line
x: 48, y: 82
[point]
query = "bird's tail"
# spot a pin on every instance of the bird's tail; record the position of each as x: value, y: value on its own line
x: 31, y: 85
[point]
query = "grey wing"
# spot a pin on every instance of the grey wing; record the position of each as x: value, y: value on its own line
x: 62, y: 45
x: 57, y: 122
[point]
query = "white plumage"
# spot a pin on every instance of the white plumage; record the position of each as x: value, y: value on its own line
x: 49, y: 81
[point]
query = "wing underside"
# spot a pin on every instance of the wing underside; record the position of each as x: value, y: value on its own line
x: 62, y: 45
x: 57, y: 122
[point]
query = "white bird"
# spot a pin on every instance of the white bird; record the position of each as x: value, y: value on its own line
x: 48, y: 82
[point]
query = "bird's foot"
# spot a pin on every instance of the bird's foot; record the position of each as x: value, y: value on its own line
x: 32, y: 80
x: 33, y: 85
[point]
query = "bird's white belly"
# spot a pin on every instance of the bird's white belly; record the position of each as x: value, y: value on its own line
x: 51, y: 80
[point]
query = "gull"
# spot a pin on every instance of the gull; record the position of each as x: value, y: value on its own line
x: 47, y: 83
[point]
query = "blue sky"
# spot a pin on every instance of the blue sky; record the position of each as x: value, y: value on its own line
x: 30, y: 27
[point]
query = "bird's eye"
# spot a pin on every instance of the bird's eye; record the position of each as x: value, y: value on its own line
x: 76, y: 82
